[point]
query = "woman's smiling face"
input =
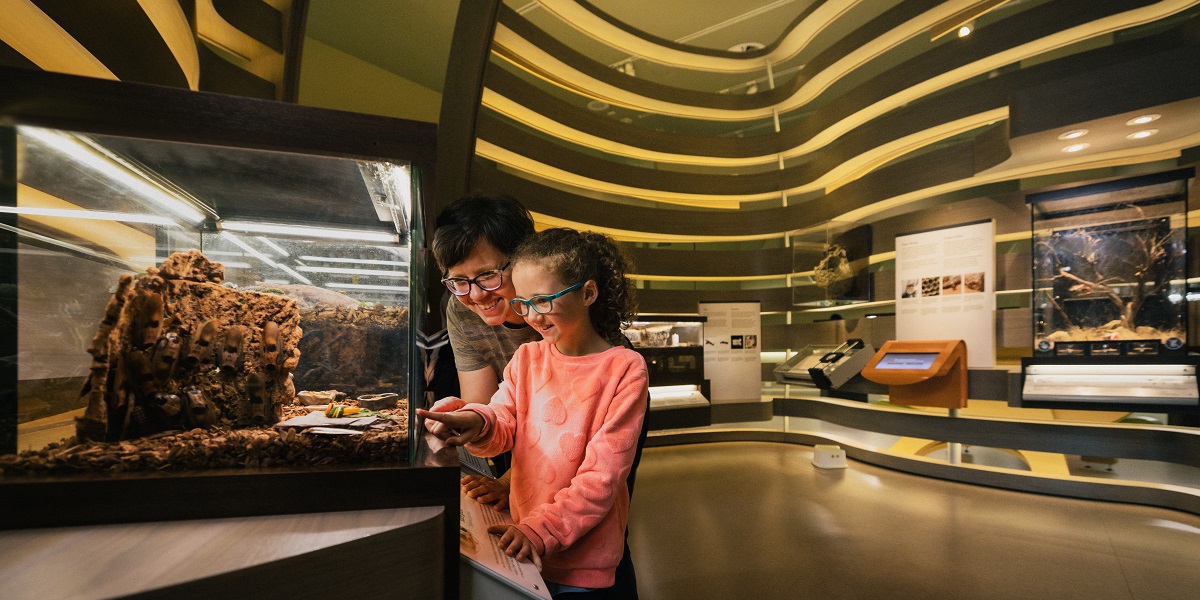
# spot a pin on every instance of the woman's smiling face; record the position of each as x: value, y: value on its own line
x: 491, y: 306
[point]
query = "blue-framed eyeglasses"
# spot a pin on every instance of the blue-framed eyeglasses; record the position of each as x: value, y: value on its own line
x: 488, y: 281
x: 542, y: 304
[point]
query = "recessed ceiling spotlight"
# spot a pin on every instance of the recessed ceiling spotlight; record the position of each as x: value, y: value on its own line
x: 1142, y: 120
x: 746, y: 47
x: 1075, y: 147
x: 597, y: 105
x: 1072, y: 134
x: 1145, y: 133
x: 966, y: 29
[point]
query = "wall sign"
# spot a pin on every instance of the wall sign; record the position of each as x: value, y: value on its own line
x: 732, y: 356
x: 946, y: 288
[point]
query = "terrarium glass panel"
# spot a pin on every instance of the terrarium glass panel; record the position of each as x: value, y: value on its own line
x: 1109, y: 269
x: 167, y: 287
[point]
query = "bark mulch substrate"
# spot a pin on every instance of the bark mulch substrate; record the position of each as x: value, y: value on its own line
x: 218, y: 448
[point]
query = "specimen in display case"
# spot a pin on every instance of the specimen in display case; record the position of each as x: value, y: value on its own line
x: 224, y: 281
x: 1109, y: 267
x: 838, y: 263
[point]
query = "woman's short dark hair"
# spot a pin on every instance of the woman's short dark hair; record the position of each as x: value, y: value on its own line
x: 499, y: 219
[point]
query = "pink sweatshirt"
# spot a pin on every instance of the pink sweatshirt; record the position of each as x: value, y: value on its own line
x: 572, y: 423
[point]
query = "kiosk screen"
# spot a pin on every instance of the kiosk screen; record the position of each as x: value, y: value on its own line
x: 913, y: 361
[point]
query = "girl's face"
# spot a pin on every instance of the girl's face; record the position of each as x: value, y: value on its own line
x: 567, y: 325
x: 491, y: 306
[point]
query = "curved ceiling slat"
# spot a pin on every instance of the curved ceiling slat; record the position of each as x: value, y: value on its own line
x: 743, y: 264
x: 684, y: 301
x: 172, y: 24
x: 788, y: 46
x: 1074, y: 21
x: 43, y: 42
x: 876, y: 141
x: 848, y: 158
x: 946, y: 166
x: 958, y: 167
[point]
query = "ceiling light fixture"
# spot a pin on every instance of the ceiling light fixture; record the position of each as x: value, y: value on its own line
x: 597, y: 106
x: 1072, y: 134
x: 1145, y: 133
x: 1075, y: 147
x: 966, y: 29
x: 746, y: 47
x: 349, y: 235
x: 1142, y: 120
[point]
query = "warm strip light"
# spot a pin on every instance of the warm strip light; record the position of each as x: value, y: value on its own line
x: 350, y: 235
x: 71, y: 148
x: 272, y: 245
x: 354, y: 261
x: 346, y: 271
x: 263, y: 257
x: 97, y: 215
x: 364, y: 286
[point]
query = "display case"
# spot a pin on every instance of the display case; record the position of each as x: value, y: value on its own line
x: 186, y: 273
x: 1109, y: 268
x: 673, y: 347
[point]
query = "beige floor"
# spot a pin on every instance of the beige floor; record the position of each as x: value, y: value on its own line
x: 756, y: 520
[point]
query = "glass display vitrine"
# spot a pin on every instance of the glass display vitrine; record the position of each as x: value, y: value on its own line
x: 1109, y: 268
x: 673, y: 347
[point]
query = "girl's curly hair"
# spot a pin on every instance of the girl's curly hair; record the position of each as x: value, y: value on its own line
x: 576, y: 256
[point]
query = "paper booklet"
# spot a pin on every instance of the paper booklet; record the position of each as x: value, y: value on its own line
x: 478, y: 546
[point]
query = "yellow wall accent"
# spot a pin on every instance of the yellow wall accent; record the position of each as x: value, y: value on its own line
x: 330, y: 78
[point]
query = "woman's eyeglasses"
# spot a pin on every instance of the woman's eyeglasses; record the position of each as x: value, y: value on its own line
x: 540, y: 304
x: 487, y: 281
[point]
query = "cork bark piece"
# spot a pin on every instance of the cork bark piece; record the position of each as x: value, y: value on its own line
x: 182, y: 339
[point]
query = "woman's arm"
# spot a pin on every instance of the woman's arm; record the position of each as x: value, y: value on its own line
x: 478, y: 386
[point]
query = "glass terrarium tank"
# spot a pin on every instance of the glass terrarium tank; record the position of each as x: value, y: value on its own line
x: 167, y: 287
x: 1109, y: 268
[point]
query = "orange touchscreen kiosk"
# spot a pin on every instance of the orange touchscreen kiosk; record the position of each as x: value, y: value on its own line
x: 922, y: 373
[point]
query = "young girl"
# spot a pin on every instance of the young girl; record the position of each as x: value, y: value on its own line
x: 570, y: 407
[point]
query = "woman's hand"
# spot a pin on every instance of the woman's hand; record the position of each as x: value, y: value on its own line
x: 461, y: 427
x: 486, y: 490
x: 515, y: 544
x: 447, y: 404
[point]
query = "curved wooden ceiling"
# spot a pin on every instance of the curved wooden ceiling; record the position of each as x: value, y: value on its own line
x: 874, y: 115
x: 245, y: 48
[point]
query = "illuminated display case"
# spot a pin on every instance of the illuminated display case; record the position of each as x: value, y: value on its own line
x: 1110, y: 269
x: 120, y: 330
x: 673, y: 347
